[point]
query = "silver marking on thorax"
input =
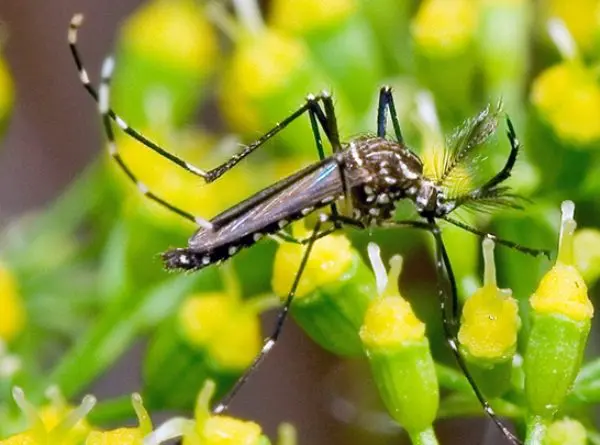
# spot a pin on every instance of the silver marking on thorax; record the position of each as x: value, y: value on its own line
x: 407, y: 172
x: 355, y: 155
x: 383, y: 198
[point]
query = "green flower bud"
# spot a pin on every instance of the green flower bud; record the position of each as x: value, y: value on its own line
x: 561, y: 314
x: 488, y: 331
x: 333, y: 294
x: 398, y: 351
x: 167, y: 52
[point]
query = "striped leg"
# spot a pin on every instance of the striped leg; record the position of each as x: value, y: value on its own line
x: 281, y: 317
x: 104, y: 109
x: 311, y: 104
x: 450, y: 324
x: 449, y: 311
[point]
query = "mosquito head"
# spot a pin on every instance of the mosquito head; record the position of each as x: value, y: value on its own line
x: 431, y: 200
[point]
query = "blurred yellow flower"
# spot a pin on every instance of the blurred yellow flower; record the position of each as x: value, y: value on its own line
x: 206, y: 428
x: 125, y: 436
x: 331, y: 256
x: 587, y: 253
x: 12, y: 315
x: 181, y: 188
x: 6, y: 90
x: 566, y: 432
x: 304, y: 16
x: 445, y: 28
x: 175, y: 32
x: 580, y: 17
x: 226, y: 327
x: 260, y: 65
x: 567, y: 95
x: 55, y: 424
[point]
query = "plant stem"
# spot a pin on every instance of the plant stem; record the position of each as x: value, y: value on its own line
x: 426, y: 437
x: 536, y: 430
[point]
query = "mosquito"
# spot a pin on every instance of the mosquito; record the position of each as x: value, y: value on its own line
x: 369, y: 173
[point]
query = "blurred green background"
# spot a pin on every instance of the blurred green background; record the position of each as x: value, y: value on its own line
x: 86, y: 303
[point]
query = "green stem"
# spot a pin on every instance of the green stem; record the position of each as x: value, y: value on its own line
x: 536, y: 430
x: 111, y: 411
x: 466, y: 405
x: 426, y: 437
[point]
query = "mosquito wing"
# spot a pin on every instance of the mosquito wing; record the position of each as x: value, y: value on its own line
x: 273, y: 208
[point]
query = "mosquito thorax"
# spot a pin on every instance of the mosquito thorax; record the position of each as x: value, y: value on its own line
x: 389, y: 172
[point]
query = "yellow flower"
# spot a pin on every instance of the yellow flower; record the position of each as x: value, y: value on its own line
x: 12, y: 315
x: 178, y: 187
x: 566, y: 432
x: 567, y: 95
x: 6, y: 90
x: 586, y: 249
x: 390, y: 320
x: 175, y: 32
x: 562, y: 289
x: 224, y: 325
x: 304, y: 16
x: 53, y: 424
x: 579, y: 17
x: 490, y: 319
x: 125, y: 436
x: 207, y: 429
x: 329, y: 259
x: 260, y: 66
x: 445, y: 27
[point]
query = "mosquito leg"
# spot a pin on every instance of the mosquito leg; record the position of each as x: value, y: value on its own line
x: 504, y: 174
x: 76, y: 22
x: 450, y: 314
x: 281, y: 317
x: 523, y: 249
x: 315, y: 113
x: 103, y: 107
x: 207, y: 175
x: 386, y: 100
x: 334, y: 138
x: 450, y: 324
